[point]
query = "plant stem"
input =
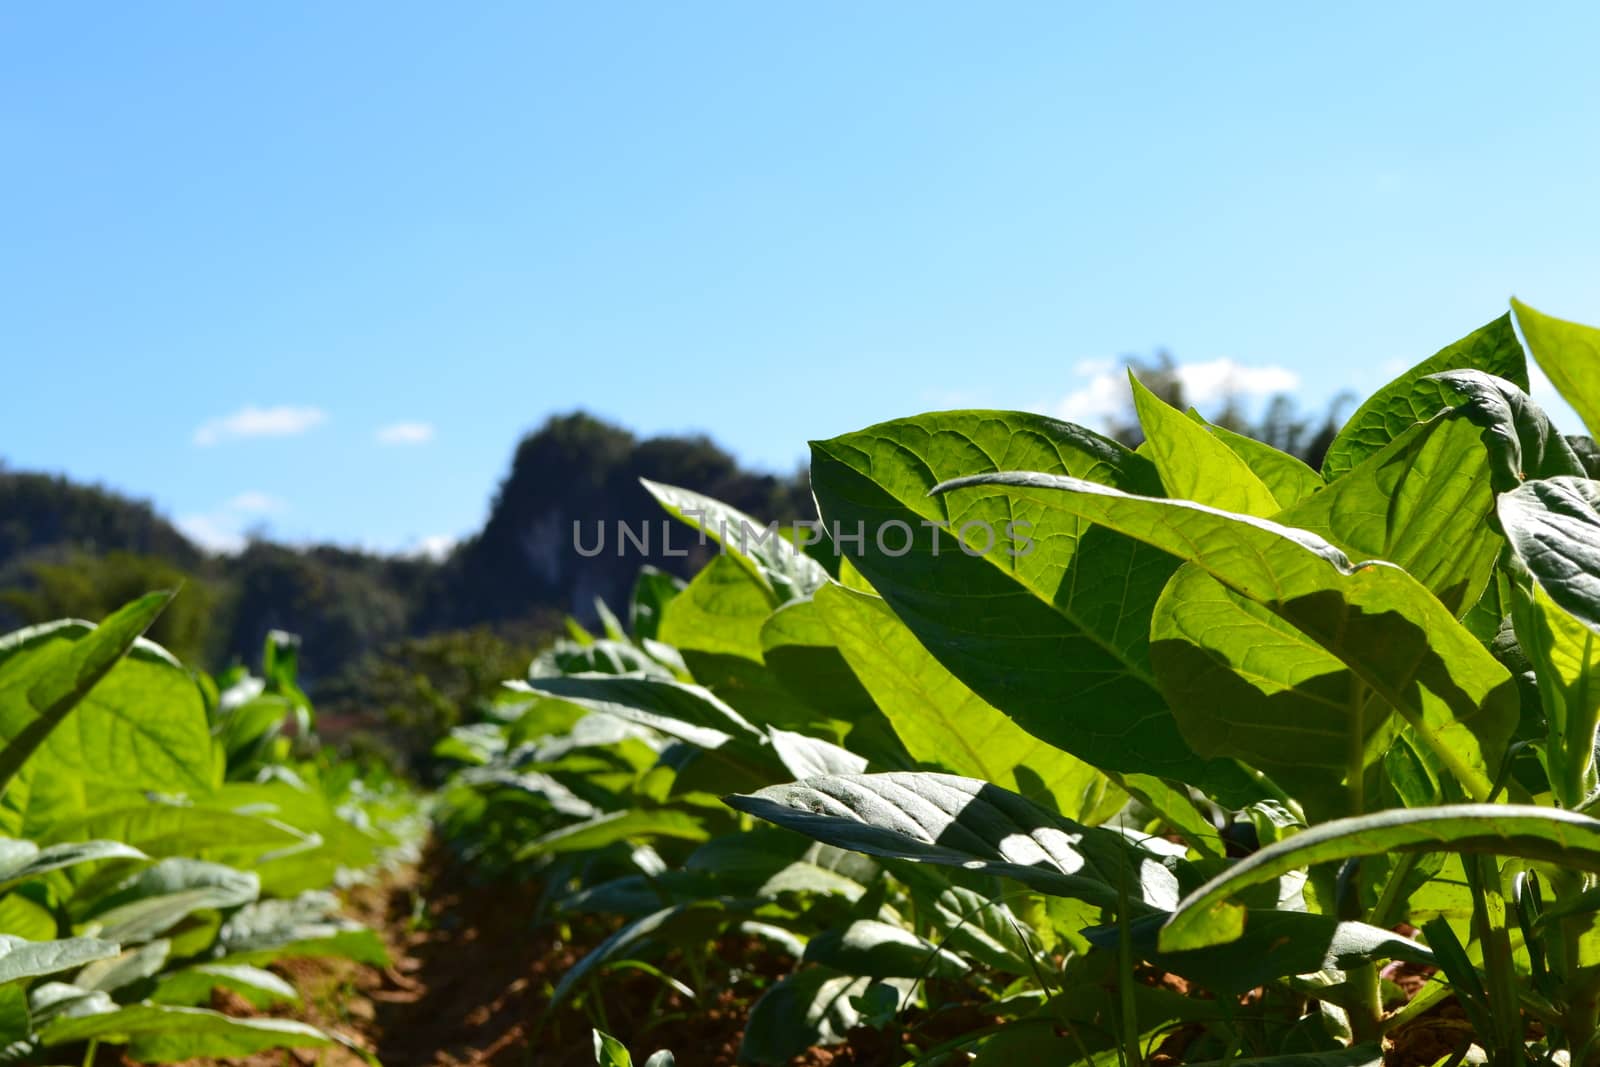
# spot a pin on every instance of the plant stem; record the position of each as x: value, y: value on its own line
x: 1489, y: 917
x: 1134, y: 1056
x: 1579, y: 984
x: 1366, y: 1003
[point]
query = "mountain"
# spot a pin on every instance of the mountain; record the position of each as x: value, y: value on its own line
x: 73, y: 549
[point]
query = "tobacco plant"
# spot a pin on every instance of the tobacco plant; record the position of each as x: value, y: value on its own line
x: 1188, y: 749
x: 156, y: 850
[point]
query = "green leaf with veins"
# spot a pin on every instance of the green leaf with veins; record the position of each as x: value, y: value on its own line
x: 798, y: 646
x: 1053, y: 635
x: 194, y: 985
x: 1521, y: 440
x: 45, y: 671
x: 941, y: 721
x: 31, y: 959
x: 1569, y: 354
x: 720, y: 611
x: 1381, y: 623
x: 137, y: 723
x: 1242, y: 679
x: 877, y: 949
x: 716, y: 624
x: 1193, y: 464
x: 161, y: 1033
x: 762, y: 548
x: 1553, y: 527
x: 962, y: 822
x: 1288, y: 478
x: 1412, y: 398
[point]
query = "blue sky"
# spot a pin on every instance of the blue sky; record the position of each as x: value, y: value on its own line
x: 317, y: 267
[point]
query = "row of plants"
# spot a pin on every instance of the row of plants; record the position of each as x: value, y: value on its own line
x: 166, y: 835
x: 1189, y: 750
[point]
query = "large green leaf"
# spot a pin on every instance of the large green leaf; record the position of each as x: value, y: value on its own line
x: 194, y: 985
x: 1211, y: 916
x: 1553, y: 526
x: 1569, y: 354
x: 720, y: 611
x: 22, y: 860
x: 941, y: 721
x: 962, y: 822
x: 1521, y: 440
x: 1381, y: 623
x: 976, y: 926
x: 762, y: 548
x: 41, y: 679
x: 798, y: 646
x: 1244, y: 680
x: 138, y: 726
x: 132, y: 965
x: 1193, y: 464
x: 877, y: 949
x: 159, y: 897
x: 805, y: 757
x: 1051, y: 635
x: 161, y: 1033
x: 1411, y: 397
x: 716, y: 624
x: 307, y: 926
x: 1288, y: 477
x: 30, y: 959
x: 1423, y: 502
x: 1554, y: 532
x: 175, y: 830
x: 596, y: 657
x: 1566, y: 657
x: 816, y: 1006
x: 687, y: 712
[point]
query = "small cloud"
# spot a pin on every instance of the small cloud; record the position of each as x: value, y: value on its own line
x: 223, y: 529
x: 1105, y: 393
x: 211, y: 534
x: 436, y: 547
x: 406, y: 433
x: 284, y: 420
x: 1217, y: 379
x: 254, y: 502
x: 1100, y: 398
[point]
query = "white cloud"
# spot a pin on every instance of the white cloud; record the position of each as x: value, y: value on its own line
x: 223, y: 529
x: 406, y: 433
x: 1214, y: 380
x: 254, y: 502
x: 212, y: 534
x: 1105, y: 392
x: 436, y: 547
x: 1097, y: 400
x: 285, y: 420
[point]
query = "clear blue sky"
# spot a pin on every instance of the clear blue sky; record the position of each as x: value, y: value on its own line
x: 766, y: 221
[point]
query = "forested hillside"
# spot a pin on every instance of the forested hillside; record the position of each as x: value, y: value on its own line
x: 68, y: 549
